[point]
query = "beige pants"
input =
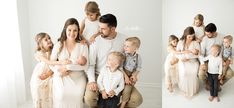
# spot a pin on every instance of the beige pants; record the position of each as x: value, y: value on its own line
x: 135, y: 100
x: 131, y: 95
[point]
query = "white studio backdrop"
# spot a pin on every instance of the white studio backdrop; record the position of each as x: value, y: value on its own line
x: 179, y: 14
x: 135, y: 18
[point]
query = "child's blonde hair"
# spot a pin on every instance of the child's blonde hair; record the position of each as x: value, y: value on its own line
x: 217, y: 46
x: 92, y: 7
x: 119, y: 56
x: 171, y: 38
x: 200, y: 18
x: 135, y: 41
x: 228, y: 37
x: 38, y: 40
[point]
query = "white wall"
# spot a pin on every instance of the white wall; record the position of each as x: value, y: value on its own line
x: 178, y: 14
x: 24, y: 27
x: 135, y: 18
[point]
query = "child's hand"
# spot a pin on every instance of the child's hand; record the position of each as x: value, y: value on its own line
x: 127, y: 80
x: 43, y: 76
x: 186, y: 51
x: 63, y: 71
x: 92, y: 39
x: 133, y: 78
x: 203, y: 67
x: 195, y: 51
x: 104, y: 94
x: 220, y: 76
x: 81, y: 60
x: 111, y: 93
x: 84, y: 42
x: 224, y: 63
x: 64, y: 62
x: 228, y: 62
x: 174, y: 61
x: 184, y: 60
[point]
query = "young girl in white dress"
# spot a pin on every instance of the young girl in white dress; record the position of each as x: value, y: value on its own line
x: 89, y: 28
x: 41, y: 82
x: 199, y: 28
x: 170, y: 66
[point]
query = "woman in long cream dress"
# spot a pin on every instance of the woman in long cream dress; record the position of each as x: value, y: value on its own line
x: 69, y: 81
x: 188, y: 63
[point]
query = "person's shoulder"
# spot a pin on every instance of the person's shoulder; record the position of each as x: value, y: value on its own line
x: 38, y: 53
x: 138, y: 54
x: 81, y: 44
x: 119, y: 72
x: 220, y: 35
x: 121, y: 36
x: 98, y: 38
x: 205, y: 38
x: 57, y: 43
x: 103, y: 69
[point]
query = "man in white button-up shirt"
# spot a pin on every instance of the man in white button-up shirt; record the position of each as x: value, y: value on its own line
x: 109, y: 41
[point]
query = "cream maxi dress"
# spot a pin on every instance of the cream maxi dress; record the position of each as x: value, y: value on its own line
x: 68, y: 91
x: 41, y: 90
x: 188, y: 70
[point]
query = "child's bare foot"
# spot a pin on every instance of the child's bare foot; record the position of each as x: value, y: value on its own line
x: 211, y: 98
x: 217, y: 98
x: 170, y: 88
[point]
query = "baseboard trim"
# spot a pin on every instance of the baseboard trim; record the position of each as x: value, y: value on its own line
x: 154, y: 85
